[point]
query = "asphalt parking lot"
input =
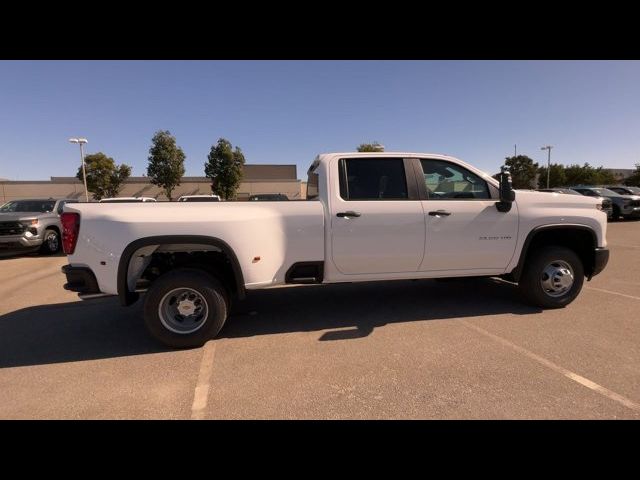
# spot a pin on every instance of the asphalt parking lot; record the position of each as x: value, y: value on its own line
x: 408, y: 349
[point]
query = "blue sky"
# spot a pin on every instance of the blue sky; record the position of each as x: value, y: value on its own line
x: 289, y: 111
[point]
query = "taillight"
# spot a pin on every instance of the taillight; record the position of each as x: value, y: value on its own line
x: 70, y: 227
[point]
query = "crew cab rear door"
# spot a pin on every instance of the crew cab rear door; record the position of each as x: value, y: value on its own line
x: 464, y: 229
x: 377, y: 222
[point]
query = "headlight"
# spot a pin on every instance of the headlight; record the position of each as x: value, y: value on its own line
x: 30, y: 223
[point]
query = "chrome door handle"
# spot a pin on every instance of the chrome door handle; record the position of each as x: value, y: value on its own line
x: 348, y: 214
x: 439, y: 213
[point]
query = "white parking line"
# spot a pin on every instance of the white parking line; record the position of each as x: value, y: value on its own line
x: 201, y: 393
x: 557, y: 368
x: 612, y: 293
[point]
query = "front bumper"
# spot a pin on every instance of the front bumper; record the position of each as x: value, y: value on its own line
x: 633, y: 212
x: 600, y: 260
x: 81, y: 280
x: 19, y: 241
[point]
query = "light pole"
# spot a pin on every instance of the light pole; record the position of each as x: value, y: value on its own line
x: 548, y: 148
x: 81, y: 142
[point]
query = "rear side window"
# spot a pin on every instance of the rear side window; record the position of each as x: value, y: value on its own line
x: 448, y: 181
x: 312, y: 186
x: 373, y: 179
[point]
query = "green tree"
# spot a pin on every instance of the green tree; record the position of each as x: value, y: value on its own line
x: 104, y: 177
x: 578, y: 175
x: 603, y: 177
x: 634, y: 179
x: 370, y: 147
x: 523, y: 171
x: 557, y: 177
x: 166, y: 162
x: 224, y: 167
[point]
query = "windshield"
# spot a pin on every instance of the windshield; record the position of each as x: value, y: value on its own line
x: 268, y: 197
x: 40, y: 206
x: 605, y: 192
x: 200, y: 199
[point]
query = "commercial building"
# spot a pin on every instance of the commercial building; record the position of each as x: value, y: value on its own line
x: 621, y: 173
x: 257, y: 179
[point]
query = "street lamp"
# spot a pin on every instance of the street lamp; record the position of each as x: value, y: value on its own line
x: 548, y: 148
x: 81, y: 142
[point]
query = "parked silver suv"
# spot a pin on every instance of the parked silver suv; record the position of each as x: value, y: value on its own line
x: 33, y: 224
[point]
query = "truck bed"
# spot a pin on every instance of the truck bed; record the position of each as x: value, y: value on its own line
x: 267, y: 237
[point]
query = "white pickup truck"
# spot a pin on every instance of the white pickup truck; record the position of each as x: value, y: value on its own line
x: 367, y: 217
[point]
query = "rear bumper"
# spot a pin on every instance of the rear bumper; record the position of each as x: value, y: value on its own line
x: 600, y: 260
x: 81, y: 280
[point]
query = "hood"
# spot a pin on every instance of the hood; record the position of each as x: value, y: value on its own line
x: 18, y: 216
x: 549, y: 199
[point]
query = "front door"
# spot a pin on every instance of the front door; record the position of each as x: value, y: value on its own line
x: 377, y: 223
x: 464, y: 229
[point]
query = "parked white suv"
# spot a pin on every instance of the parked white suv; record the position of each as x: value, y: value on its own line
x: 368, y: 216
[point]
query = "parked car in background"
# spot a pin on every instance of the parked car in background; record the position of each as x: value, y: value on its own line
x: 32, y: 224
x: 127, y: 199
x: 568, y: 191
x: 607, y: 204
x: 623, y: 206
x: 268, y: 197
x: 199, y: 198
x: 624, y: 190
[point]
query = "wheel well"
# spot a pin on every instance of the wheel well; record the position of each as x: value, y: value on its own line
x: 146, y: 259
x: 581, y: 240
x: 53, y: 227
x: 213, y: 262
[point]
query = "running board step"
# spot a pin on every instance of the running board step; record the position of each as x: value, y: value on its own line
x: 305, y: 272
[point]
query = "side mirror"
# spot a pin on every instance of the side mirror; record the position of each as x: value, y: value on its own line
x: 507, y: 195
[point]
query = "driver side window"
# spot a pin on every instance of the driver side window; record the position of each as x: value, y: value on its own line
x: 448, y: 181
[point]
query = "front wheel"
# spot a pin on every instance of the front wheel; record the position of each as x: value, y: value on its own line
x: 615, y: 216
x: 51, y: 242
x: 552, y: 277
x: 185, y: 307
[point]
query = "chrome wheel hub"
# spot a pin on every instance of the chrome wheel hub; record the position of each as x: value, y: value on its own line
x: 52, y: 242
x: 557, y: 278
x: 183, y: 310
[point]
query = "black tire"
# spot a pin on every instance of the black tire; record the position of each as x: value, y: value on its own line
x: 51, y: 242
x: 530, y: 284
x: 616, y: 213
x: 208, y: 287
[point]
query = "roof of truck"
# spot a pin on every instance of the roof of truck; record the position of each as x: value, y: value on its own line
x: 386, y: 154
